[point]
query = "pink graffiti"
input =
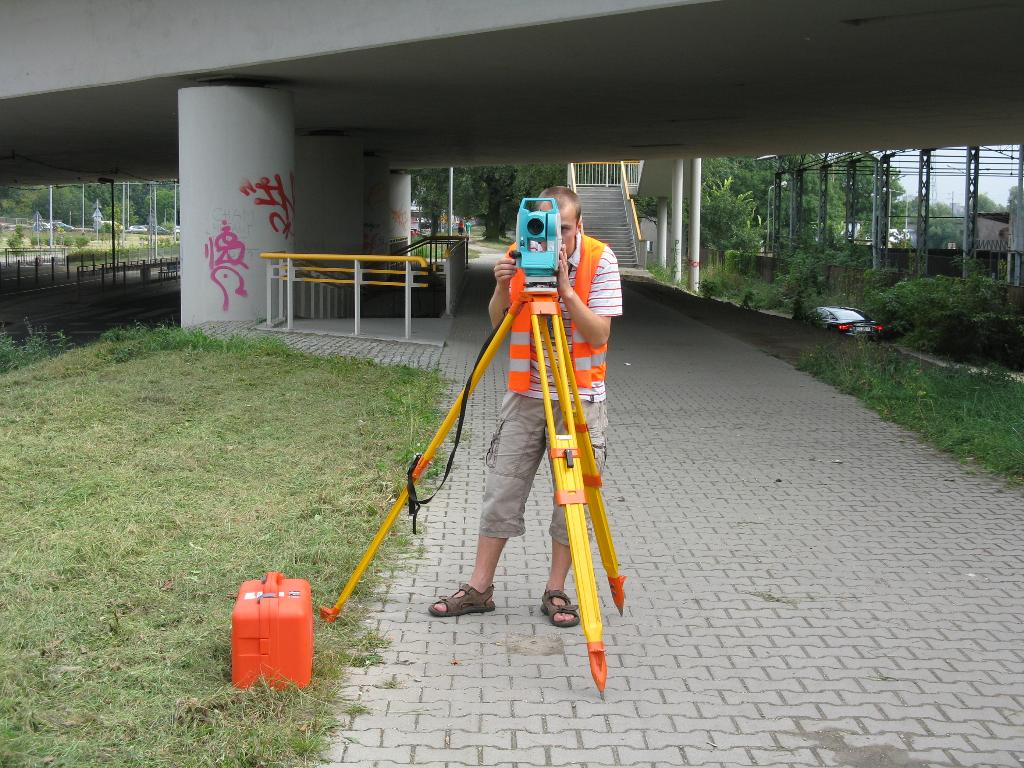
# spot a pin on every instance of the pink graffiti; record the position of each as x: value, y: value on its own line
x: 226, y: 253
x: 274, y: 194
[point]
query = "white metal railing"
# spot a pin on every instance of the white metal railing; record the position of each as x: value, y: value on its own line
x: 634, y: 170
x: 288, y: 268
x: 606, y: 174
x: 598, y: 174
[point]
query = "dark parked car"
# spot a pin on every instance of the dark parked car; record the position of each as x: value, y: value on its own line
x: 850, y: 321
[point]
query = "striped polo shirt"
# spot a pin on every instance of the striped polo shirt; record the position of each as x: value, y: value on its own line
x: 605, y: 299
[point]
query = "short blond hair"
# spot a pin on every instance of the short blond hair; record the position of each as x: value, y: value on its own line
x: 564, y: 196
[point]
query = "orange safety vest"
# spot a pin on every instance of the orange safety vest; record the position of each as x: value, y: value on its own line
x: 588, y: 362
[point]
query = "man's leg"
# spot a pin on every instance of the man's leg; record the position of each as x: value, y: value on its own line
x: 561, y: 561
x: 488, y: 552
x: 516, y: 450
x: 561, y: 555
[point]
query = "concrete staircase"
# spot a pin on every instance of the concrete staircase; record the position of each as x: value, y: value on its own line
x: 607, y: 217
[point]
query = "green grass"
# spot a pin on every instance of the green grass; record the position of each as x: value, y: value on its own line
x: 142, y: 479
x: 978, y: 416
x: 663, y: 275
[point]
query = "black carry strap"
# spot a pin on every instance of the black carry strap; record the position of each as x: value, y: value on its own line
x: 410, y: 485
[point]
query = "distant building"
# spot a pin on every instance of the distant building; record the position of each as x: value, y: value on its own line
x: 992, y: 232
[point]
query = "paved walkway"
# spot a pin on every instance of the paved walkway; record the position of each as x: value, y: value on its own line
x: 808, y: 585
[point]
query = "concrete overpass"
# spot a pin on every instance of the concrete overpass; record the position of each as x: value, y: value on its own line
x: 342, y: 93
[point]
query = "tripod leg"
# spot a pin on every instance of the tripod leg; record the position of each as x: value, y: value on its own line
x: 569, y: 494
x: 592, y: 482
x: 558, y: 369
x: 330, y: 614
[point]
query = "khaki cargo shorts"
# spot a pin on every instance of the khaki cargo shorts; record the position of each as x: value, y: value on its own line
x: 517, y: 448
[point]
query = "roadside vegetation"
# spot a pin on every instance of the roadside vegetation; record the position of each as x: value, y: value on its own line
x: 37, y: 346
x: 976, y: 415
x: 974, y: 412
x: 969, y: 321
x: 142, y: 479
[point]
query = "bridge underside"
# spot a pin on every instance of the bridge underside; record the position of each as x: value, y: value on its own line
x: 697, y: 79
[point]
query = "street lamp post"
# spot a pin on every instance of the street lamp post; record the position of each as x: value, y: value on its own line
x: 113, y: 226
x: 769, y: 239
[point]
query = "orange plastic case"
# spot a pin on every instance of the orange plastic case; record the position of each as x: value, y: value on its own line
x: 272, y: 632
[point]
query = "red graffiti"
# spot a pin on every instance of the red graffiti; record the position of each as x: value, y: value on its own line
x: 274, y: 193
x: 226, y: 253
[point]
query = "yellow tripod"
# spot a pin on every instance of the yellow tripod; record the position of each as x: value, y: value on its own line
x: 577, y: 479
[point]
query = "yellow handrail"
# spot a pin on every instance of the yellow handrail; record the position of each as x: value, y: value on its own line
x: 418, y: 273
x: 361, y: 257
x: 336, y: 281
x: 628, y: 196
x: 448, y: 242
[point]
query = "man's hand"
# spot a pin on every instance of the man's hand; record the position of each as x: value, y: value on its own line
x: 504, y: 269
x: 564, y: 286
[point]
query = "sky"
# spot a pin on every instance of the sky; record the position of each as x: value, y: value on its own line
x: 998, y: 173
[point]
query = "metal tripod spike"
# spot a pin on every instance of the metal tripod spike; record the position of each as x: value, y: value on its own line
x: 574, y: 468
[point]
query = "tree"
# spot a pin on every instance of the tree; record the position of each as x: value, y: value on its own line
x: 491, y: 192
x: 727, y: 218
x: 987, y: 205
x: 430, y: 193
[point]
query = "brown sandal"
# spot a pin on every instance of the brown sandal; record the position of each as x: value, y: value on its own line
x: 465, y: 600
x: 549, y: 608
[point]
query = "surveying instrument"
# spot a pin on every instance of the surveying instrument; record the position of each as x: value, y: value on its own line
x: 574, y: 470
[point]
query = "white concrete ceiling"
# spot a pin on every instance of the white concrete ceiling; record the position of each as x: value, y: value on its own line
x: 745, y: 77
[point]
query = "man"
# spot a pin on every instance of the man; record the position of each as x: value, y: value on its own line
x: 590, y: 296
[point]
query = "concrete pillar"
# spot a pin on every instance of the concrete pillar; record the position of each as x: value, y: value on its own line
x: 661, y: 255
x: 236, y: 154
x: 695, y: 196
x: 329, y: 181
x: 1017, y: 261
x: 401, y: 205
x: 677, y: 219
x: 376, y: 205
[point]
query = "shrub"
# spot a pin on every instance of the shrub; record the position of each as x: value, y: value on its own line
x: 38, y: 345
x: 969, y: 320
x: 741, y: 263
x: 709, y: 287
x: 803, y: 274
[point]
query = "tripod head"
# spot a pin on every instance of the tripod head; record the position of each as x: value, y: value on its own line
x: 538, y: 242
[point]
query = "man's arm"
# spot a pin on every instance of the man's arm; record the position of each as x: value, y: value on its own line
x: 596, y: 329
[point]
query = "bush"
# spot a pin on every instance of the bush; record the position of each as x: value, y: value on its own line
x: 803, y: 274
x: 968, y: 320
x: 741, y: 263
x: 709, y: 287
x: 80, y: 241
x: 38, y: 345
x: 17, y: 240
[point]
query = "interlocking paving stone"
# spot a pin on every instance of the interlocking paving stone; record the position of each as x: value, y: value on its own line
x: 782, y: 608
x: 384, y: 352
